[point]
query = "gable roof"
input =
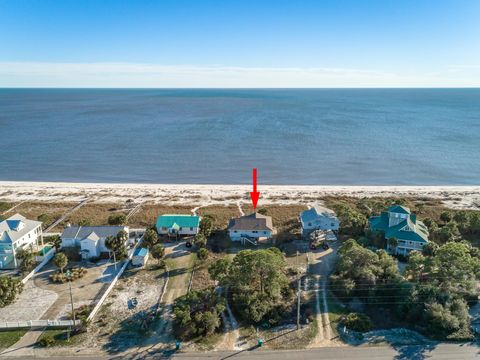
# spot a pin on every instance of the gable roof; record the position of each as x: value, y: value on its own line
x: 254, y: 221
x: 82, y: 232
x: 92, y: 237
x: 10, y: 230
x: 178, y: 221
x: 399, y: 209
x: 316, y: 212
x: 409, y: 229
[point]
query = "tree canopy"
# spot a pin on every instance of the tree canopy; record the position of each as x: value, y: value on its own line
x: 257, y: 282
x: 9, y: 289
x: 197, y: 314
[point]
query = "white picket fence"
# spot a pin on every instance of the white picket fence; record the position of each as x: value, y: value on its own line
x: 47, y: 257
x: 36, y: 323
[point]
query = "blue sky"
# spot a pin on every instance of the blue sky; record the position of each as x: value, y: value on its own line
x: 240, y: 43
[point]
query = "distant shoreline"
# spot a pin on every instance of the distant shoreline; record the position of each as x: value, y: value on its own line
x: 461, y: 197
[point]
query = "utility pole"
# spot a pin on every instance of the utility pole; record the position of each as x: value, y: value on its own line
x: 69, y: 274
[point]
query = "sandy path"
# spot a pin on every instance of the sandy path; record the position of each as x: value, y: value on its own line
x: 179, y: 275
x: 320, y: 266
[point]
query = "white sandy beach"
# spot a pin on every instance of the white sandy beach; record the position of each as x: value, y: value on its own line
x: 460, y: 197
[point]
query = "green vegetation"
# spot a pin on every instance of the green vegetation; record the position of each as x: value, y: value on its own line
x: 26, y: 258
x: 57, y: 337
x: 9, y: 289
x: 206, y: 225
x: 10, y: 337
x: 157, y: 251
x: 117, y: 244
x: 257, y: 283
x: 200, y: 240
x: 433, y: 296
x: 117, y: 219
x: 202, y: 254
x: 150, y: 238
x: 357, y: 322
x: 198, y: 314
x: 60, y: 260
x: 75, y: 273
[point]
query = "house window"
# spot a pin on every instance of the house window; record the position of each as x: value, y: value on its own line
x: 235, y: 231
x: 191, y: 229
x: 254, y: 231
x: 332, y: 224
x: 310, y: 224
x: 181, y: 228
x: 164, y: 228
x: 265, y: 232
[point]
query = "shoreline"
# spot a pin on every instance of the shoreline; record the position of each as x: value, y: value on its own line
x: 461, y: 197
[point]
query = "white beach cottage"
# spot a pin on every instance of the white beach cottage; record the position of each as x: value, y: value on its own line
x: 254, y: 226
x: 318, y: 218
x: 90, y: 239
x: 17, y: 232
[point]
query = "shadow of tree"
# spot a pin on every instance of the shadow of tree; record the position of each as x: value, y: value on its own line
x: 133, y: 331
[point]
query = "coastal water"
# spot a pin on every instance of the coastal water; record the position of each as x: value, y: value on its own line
x: 327, y: 136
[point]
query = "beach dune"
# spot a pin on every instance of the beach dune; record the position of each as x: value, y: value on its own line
x: 458, y: 197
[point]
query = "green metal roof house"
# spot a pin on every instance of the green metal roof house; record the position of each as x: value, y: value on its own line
x: 399, y: 223
x: 174, y: 224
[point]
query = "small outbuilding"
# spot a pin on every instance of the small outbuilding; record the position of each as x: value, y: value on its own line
x: 140, y: 257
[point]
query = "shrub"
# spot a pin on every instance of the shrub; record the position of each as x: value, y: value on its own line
x: 44, y: 218
x: 117, y: 219
x: 357, y: 322
x: 46, y: 341
x: 200, y: 240
x: 76, y: 273
x: 9, y: 289
x: 150, y: 238
x: 202, y: 254
x: 157, y: 251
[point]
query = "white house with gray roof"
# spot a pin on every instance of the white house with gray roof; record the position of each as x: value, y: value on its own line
x: 254, y: 226
x: 318, y: 218
x: 18, y: 232
x: 90, y: 239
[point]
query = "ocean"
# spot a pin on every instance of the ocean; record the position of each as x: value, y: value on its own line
x: 301, y: 136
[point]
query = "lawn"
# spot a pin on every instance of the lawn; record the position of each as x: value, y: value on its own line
x: 60, y: 337
x: 10, y: 337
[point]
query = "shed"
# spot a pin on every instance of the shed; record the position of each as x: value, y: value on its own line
x: 140, y: 257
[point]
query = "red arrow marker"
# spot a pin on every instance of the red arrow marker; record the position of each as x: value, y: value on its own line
x: 254, y: 194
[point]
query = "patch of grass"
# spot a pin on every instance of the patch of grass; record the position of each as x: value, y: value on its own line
x: 10, y: 337
x: 206, y: 343
x: 60, y: 337
x: 96, y: 213
x: 4, y: 206
x: 335, y: 311
x: 148, y: 214
x: 32, y: 209
x: 221, y: 214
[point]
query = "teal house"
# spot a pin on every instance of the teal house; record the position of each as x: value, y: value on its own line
x: 399, y: 223
x: 173, y: 224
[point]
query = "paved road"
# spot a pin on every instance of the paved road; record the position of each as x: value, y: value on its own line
x: 418, y: 352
